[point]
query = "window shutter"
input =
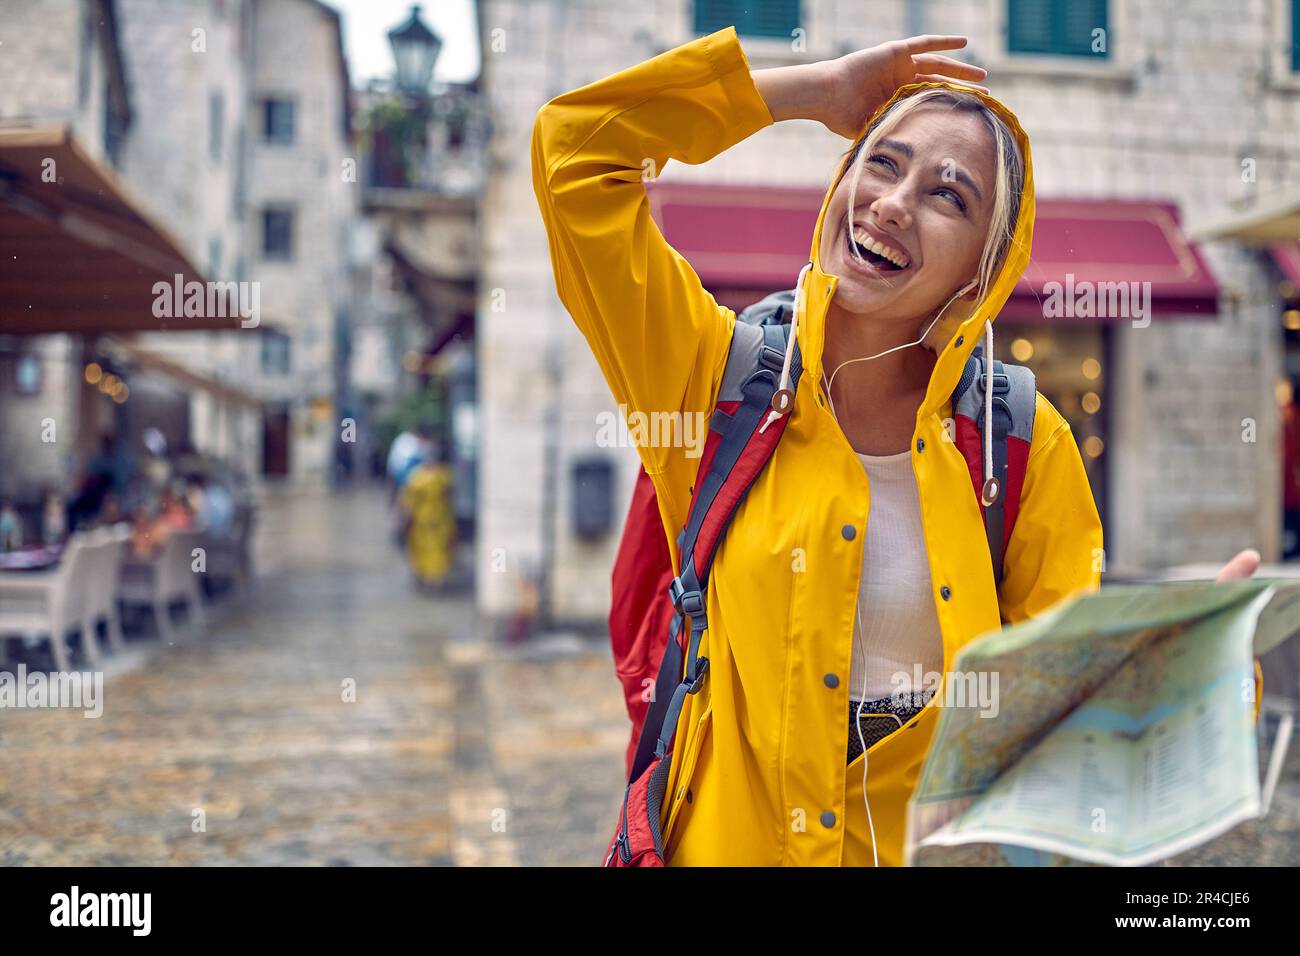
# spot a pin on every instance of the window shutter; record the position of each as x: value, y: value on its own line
x: 761, y: 18
x: 1295, y: 35
x: 1057, y: 27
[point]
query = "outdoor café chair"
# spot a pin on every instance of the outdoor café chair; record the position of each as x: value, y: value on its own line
x: 52, y: 602
x: 165, y: 579
x: 110, y: 554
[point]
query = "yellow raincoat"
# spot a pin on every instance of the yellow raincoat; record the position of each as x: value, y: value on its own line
x: 432, y: 534
x: 758, y: 775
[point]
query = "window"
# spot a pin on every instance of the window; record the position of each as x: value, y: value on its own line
x: 1295, y: 36
x: 27, y: 374
x: 1059, y: 27
x: 116, y: 122
x: 275, y: 353
x: 756, y: 18
x: 85, y: 57
x: 277, y: 121
x: 216, y: 124
x: 214, y: 257
x: 239, y: 193
x: 277, y: 233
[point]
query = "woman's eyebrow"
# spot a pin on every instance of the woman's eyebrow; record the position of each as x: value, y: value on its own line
x: 961, y: 177
x: 894, y: 144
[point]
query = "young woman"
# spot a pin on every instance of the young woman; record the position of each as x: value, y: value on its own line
x: 859, y: 557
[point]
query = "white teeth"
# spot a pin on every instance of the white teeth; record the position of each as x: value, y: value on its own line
x: 880, y: 249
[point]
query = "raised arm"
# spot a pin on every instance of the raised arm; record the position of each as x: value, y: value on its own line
x: 660, y: 338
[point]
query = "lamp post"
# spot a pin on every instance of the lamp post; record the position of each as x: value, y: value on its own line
x: 415, y: 51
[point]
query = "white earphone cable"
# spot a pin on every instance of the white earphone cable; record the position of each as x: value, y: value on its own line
x: 862, y: 694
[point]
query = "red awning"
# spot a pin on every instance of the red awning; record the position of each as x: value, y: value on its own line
x: 743, y: 241
x: 1104, y: 242
x: 1286, y: 255
x: 747, y: 241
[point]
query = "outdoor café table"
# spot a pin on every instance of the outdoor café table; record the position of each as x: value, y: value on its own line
x: 38, y: 558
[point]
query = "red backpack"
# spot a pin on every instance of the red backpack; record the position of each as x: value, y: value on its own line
x: 642, y: 624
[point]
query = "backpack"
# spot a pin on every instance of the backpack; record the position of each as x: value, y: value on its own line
x: 643, y: 626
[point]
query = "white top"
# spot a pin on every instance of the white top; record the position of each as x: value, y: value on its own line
x: 900, y: 627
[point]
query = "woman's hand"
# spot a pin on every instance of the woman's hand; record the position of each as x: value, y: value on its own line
x: 843, y: 93
x: 1242, y: 566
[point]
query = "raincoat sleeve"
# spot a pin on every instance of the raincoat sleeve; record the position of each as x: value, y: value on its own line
x: 1055, y: 549
x: 660, y: 338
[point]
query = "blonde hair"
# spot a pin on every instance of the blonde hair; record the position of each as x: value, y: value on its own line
x: 1008, y: 180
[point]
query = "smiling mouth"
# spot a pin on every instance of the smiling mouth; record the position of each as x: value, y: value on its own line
x: 873, y: 260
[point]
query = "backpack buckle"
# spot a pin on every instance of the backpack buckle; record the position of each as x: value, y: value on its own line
x: 771, y: 358
x: 1001, y: 382
x: 999, y: 404
x: 701, y: 667
x: 688, y: 602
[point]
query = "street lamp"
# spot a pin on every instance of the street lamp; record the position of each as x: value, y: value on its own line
x: 415, y: 50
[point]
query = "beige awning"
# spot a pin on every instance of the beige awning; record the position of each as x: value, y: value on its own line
x: 1274, y: 220
x: 80, y: 254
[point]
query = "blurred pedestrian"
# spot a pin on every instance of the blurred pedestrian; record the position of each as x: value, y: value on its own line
x: 11, y: 527
x: 54, y: 518
x: 430, y: 527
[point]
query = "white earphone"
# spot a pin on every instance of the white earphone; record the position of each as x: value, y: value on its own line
x: 875, y: 857
x: 960, y: 292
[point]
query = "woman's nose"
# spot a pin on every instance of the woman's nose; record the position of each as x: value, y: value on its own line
x: 893, y: 207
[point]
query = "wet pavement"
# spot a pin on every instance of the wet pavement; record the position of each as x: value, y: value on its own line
x: 239, y: 747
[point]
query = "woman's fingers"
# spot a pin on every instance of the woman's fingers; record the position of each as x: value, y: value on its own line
x: 931, y: 42
x: 935, y: 78
x: 934, y: 63
x: 1243, y: 565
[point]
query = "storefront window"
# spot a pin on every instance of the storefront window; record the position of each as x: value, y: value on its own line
x: 1288, y: 394
x: 1071, y: 365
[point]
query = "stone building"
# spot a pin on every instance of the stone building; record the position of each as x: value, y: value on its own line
x: 61, y: 64
x: 244, y: 138
x: 1147, y: 120
x: 239, y: 145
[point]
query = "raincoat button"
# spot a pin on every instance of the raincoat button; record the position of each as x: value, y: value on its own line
x: 828, y: 819
x: 960, y: 339
x: 830, y: 680
x: 945, y: 592
x: 689, y: 796
x: 849, y: 532
x: 920, y: 444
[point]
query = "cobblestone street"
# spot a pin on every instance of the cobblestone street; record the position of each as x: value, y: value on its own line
x: 455, y: 751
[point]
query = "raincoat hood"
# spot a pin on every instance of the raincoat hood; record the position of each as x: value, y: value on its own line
x: 819, y: 286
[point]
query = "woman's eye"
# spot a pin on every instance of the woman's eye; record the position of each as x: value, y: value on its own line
x: 954, y: 197
x: 884, y: 161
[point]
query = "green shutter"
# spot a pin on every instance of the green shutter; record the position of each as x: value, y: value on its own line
x: 1295, y: 36
x: 756, y: 18
x: 1058, y: 27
